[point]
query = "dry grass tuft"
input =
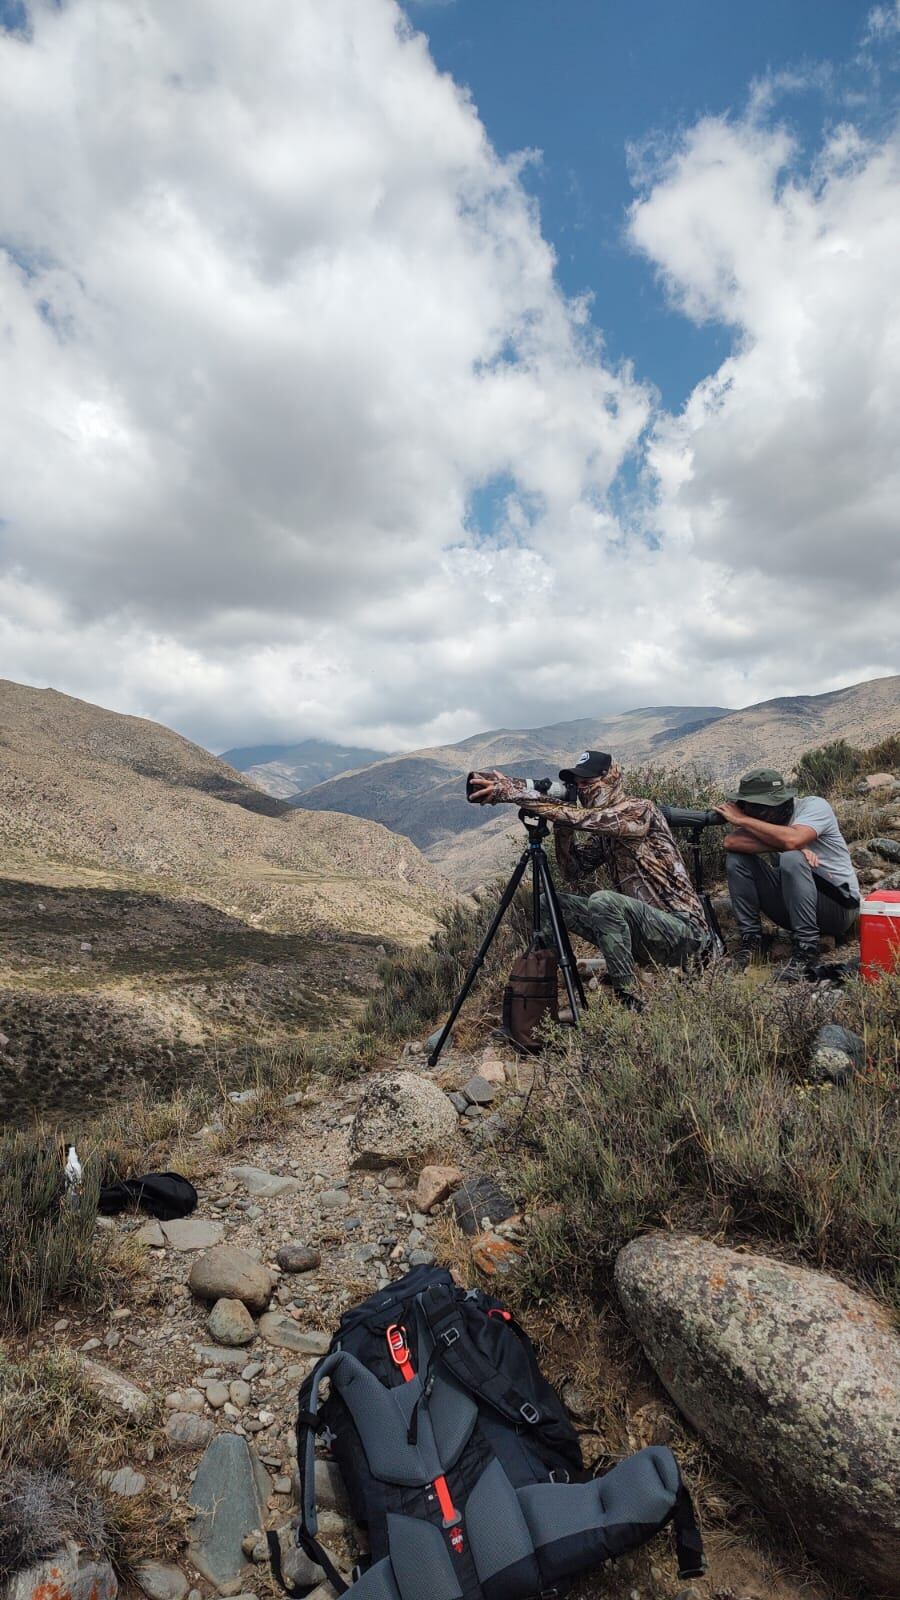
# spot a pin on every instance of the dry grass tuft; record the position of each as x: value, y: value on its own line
x: 48, y: 1247
x: 55, y: 1440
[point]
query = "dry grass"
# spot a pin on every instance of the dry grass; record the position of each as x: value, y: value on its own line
x: 55, y: 1440
x: 48, y: 1246
x: 697, y: 1114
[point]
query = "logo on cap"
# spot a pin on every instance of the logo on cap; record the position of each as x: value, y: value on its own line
x: 585, y: 756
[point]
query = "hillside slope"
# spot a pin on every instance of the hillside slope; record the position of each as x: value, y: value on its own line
x: 776, y: 733
x: 81, y: 786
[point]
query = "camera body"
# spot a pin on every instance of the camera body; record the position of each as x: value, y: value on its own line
x: 552, y: 789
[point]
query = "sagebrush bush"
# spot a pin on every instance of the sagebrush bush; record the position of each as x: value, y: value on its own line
x: 47, y: 1236
x: 689, y: 788
x: 697, y: 1113
x: 831, y: 769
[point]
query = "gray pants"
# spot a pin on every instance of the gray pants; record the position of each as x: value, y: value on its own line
x: 787, y: 891
x: 626, y: 931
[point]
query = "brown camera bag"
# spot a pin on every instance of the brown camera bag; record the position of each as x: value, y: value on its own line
x: 530, y: 996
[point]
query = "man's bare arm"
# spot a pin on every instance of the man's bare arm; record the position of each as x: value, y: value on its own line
x: 744, y: 844
x: 771, y: 835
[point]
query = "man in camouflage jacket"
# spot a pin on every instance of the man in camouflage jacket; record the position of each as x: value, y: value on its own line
x: 654, y: 915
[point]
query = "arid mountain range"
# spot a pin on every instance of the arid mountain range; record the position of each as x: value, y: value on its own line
x: 422, y: 794
x: 283, y: 770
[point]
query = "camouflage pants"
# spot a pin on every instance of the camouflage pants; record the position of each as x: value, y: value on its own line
x: 626, y: 931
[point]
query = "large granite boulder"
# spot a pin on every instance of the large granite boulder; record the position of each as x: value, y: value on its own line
x: 792, y: 1377
x: 401, y: 1117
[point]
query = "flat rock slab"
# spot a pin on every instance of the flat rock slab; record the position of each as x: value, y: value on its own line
x: 283, y: 1332
x: 264, y: 1184
x: 150, y: 1233
x: 479, y: 1203
x: 219, y: 1355
x: 118, y: 1392
x: 192, y: 1233
x: 479, y: 1092
x: 125, y: 1483
x: 228, y: 1503
x: 792, y: 1377
x: 160, y: 1580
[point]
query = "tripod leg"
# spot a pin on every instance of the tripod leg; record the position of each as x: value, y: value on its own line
x: 505, y: 902
x: 561, y: 940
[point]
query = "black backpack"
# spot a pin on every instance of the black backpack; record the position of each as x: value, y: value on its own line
x: 460, y: 1460
x: 165, y: 1195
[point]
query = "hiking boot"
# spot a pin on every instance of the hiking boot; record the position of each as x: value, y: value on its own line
x: 801, y: 968
x: 630, y: 1000
x: 751, y: 952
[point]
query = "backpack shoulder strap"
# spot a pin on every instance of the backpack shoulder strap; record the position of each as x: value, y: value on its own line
x: 469, y: 1365
x: 308, y: 1425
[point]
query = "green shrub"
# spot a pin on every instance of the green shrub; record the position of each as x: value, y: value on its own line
x: 689, y: 788
x: 828, y: 770
x: 831, y: 769
x: 697, y: 1113
x: 47, y: 1237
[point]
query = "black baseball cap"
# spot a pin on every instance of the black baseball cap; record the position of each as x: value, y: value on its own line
x: 590, y: 764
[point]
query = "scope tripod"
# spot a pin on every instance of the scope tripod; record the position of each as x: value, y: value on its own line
x: 541, y: 881
x: 709, y: 910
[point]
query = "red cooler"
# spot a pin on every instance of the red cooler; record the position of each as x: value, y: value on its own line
x: 879, y: 934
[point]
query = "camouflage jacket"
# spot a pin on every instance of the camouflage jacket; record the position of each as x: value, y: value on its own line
x: 629, y: 837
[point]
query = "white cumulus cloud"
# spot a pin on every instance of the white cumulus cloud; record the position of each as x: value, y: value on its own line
x: 276, y: 319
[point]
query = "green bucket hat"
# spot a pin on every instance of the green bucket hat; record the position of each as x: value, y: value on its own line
x: 762, y: 787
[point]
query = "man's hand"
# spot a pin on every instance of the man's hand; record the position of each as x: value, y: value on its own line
x: 811, y: 857
x: 731, y: 813
x: 483, y: 788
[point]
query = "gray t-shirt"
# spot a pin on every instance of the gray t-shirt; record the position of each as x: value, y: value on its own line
x: 829, y: 845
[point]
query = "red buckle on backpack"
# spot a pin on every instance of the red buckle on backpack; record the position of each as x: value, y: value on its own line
x: 496, y: 1311
x: 396, y: 1338
x: 396, y: 1343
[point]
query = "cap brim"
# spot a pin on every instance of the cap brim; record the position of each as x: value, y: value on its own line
x: 762, y: 799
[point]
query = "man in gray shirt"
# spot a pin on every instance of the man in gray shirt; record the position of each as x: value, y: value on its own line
x: 786, y: 856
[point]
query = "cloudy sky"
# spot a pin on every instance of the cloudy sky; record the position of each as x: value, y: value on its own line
x: 375, y: 374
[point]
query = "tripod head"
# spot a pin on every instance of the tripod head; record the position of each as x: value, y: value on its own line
x: 537, y: 828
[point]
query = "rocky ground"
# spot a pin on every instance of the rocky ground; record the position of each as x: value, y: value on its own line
x: 230, y: 1308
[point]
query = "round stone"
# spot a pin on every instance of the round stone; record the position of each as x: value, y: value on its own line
x: 233, y: 1274
x: 298, y: 1258
x: 230, y: 1323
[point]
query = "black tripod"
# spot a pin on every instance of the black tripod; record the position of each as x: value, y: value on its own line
x: 541, y: 880
x: 712, y: 921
